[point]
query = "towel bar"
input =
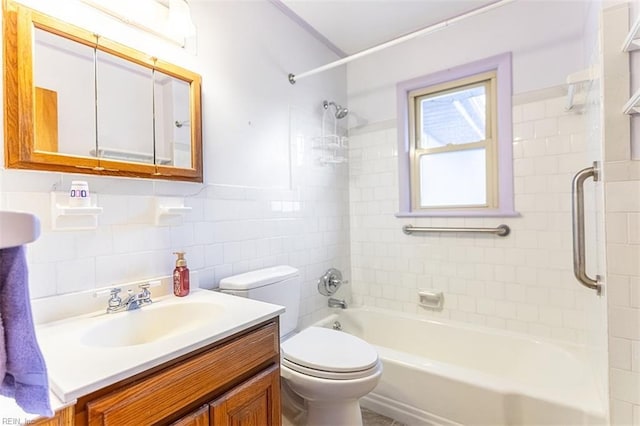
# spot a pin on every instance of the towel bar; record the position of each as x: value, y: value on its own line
x: 501, y: 230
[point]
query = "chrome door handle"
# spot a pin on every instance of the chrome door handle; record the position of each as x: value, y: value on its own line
x: 577, y: 211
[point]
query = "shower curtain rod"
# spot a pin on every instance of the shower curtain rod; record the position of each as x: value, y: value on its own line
x: 427, y: 30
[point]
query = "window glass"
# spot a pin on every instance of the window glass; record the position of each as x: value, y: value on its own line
x: 455, y: 117
x: 456, y: 178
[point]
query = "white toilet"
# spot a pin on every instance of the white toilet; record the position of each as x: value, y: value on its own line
x: 331, y: 370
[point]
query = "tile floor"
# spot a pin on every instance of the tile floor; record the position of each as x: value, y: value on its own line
x: 369, y: 418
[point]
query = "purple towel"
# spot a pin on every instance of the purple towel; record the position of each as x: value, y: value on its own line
x: 26, y: 376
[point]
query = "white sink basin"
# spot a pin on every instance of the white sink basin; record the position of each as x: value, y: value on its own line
x: 150, y: 324
x: 89, y: 352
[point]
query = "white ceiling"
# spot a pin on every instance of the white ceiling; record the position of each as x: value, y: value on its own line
x: 355, y: 25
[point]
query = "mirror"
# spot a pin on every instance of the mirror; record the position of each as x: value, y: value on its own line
x: 173, y: 126
x: 64, y: 80
x: 124, y: 109
x: 77, y: 102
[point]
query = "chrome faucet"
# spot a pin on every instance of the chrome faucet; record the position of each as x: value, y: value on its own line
x: 337, y: 303
x: 132, y: 302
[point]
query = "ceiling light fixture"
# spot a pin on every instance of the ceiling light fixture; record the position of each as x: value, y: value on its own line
x: 168, y: 19
x: 180, y: 18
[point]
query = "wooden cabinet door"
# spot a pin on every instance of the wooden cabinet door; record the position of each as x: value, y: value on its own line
x: 255, y: 402
x: 200, y: 417
x: 63, y: 417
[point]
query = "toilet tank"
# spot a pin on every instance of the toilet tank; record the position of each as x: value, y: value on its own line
x: 279, y: 285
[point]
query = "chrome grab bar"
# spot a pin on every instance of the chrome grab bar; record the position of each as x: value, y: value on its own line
x: 501, y: 231
x: 577, y: 211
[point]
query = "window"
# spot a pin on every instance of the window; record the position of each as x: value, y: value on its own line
x: 455, y: 141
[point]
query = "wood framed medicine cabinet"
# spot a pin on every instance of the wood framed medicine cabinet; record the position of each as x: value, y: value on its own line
x: 77, y: 102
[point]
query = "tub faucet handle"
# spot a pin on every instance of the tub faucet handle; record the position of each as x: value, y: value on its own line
x: 329, y: 283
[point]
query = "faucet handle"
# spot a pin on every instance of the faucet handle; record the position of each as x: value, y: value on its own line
x: 114, y: 300
x: 145, y: 287
x: 145, y: 294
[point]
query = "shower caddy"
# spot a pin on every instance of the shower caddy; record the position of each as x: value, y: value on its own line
x: 332, y: 145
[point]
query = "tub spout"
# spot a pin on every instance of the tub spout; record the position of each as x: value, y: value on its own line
x: 337, y: 303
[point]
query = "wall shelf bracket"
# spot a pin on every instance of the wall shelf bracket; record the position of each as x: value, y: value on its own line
x: 70, y: 218
x: 168, y: 209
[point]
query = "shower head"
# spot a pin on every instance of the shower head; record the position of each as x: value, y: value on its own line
x: 340, y: 113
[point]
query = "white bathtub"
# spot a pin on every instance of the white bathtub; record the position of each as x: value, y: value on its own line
x: 445, y: 373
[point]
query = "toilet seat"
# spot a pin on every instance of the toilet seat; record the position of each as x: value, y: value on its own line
x: 330, y: 354
x: 322, y: 374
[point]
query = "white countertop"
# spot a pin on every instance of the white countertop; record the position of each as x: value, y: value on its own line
x: 15, y: 415
x: 78, y: 363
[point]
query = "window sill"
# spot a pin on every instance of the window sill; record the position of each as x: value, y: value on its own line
x: 460, y: 213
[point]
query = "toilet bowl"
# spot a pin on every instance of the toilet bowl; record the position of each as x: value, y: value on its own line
x: 331, y: 371
x: 328, y: 369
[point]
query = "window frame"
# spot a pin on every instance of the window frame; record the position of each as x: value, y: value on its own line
x: 486, y: 80
x: 499, y: 154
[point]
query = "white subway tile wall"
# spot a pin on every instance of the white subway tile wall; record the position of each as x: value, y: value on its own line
x: 622, y: 208
x: 229, y: 230
x: 523, y: 282
x: 623, y: 285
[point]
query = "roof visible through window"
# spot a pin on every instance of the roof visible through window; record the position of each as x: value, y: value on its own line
x: 453, y: 118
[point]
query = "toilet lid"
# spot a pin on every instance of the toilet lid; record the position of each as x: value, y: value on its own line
x: 329, y: 350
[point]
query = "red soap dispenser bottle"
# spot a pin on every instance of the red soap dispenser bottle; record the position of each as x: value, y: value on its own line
x: 181, y: 276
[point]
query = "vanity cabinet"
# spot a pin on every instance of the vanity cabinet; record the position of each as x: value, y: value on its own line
x: 255, y: 402
x: 63, y: 417
x: 198, y: 418
x: 236, y: 381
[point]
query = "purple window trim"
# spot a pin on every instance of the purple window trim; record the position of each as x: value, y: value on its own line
x: 502, y: 65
